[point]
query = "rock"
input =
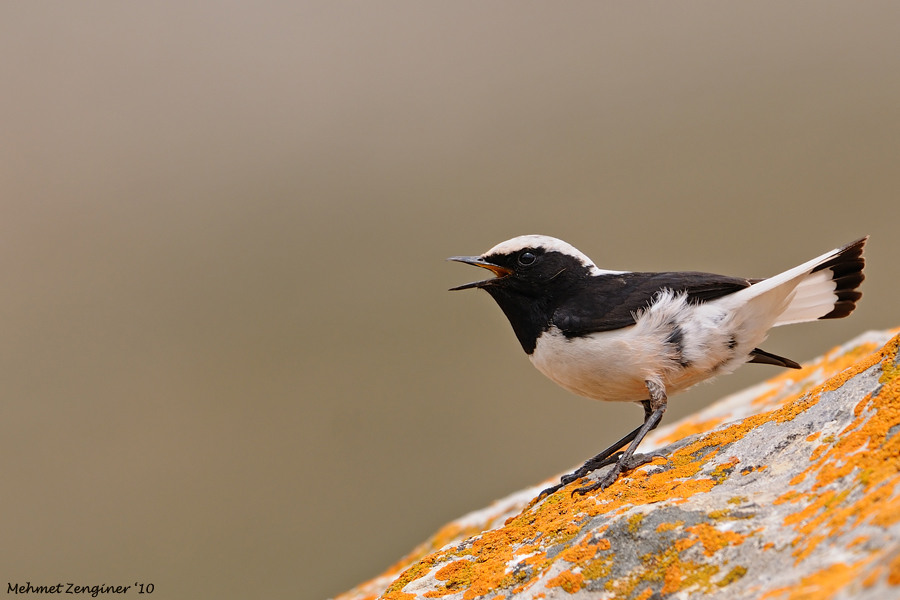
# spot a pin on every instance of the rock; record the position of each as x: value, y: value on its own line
x: 786, y: 490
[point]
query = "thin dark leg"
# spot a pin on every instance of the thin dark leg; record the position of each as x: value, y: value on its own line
x: 657, y: 404
x: 607, y: 457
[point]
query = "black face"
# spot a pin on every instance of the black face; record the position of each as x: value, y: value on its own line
x: 530, y: 271
x: 530, y: 284
x: 536, y: 272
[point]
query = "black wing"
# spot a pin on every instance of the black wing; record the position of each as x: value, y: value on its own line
x: 608, y: 302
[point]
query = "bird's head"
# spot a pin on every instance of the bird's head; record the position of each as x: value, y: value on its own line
x: 529, y: 265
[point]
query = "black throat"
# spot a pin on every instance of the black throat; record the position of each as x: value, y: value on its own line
x: 531, y: 296
x: 529, y: 316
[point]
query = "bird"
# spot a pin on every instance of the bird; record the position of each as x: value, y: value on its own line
x: 622, y: 336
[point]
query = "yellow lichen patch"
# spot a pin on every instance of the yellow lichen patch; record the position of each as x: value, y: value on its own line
x: 723, y: 470
x: 732, y: 576
x: 599, y: 568
x: 714, y: 540
x: 570, y: 582
x: 668, y: 569
x: 737, y: 500
x: 634, y: 522
x: 690, y: 428
x: 726, y: 514
x: 669, y: 526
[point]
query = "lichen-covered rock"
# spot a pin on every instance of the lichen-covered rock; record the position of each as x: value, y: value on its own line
x: 787, y: 490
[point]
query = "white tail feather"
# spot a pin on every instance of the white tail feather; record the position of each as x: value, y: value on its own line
x: 795, y: 296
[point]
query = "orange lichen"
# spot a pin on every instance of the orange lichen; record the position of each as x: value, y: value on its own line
x: 444, y: 536
x: 690, y: 428
x: 820, y: 585
x: 714, y: 540
x: 581, y: 552
x: 894, y: 571
x: 457, y: 574
x: 570, y: 582
x: 684, y: 543
x: 582, y: 555
x: 791, y: 496
x: 873, y: 577
x: 748, y: 470
x: 418, y: 570
x: 669, y: 526
x: 813, y: 436
x: 797, y: 479
x: 645, y: 595
x: 818, y: 452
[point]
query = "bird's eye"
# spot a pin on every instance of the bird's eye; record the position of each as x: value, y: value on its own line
x: 526, y: 258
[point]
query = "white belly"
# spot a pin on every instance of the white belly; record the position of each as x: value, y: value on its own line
x: 615, y: 365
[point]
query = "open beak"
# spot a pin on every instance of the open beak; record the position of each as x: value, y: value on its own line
x: 478, y: 262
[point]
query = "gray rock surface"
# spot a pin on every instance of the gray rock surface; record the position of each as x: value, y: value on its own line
x: 787, y: 490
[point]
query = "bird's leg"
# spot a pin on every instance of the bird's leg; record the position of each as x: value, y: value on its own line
x: 607, y: 457
x: 653, y: 412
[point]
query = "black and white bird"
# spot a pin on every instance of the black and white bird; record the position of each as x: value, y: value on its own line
x: 623, y: 336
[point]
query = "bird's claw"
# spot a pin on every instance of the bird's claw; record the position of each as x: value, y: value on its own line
x: 621, y: 466
x: 585, y: 469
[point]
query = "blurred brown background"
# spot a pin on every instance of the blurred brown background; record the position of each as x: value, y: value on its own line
x: 228, y: 361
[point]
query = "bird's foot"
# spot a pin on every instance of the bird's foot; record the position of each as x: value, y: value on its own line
x: 621, y: 466
x: 589, y: 466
